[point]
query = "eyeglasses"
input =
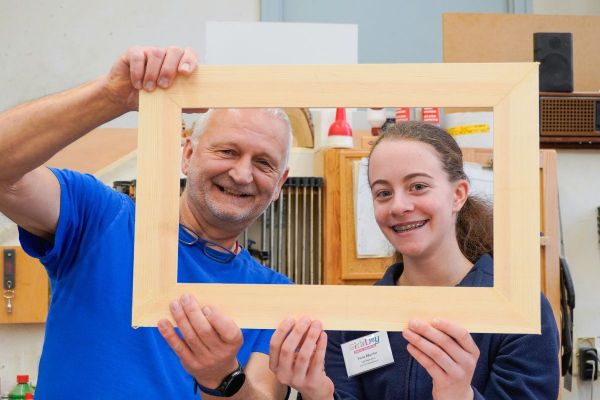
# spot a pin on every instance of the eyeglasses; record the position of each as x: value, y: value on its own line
x: 212, y: 250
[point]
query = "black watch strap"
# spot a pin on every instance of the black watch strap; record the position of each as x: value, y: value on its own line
x: 230, y: 385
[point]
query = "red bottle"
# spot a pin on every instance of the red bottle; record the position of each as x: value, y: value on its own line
x: 340, y: 132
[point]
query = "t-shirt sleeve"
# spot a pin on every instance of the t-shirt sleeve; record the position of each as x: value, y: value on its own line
x: 526, y: 366
x: 263, y: 341
x: 87, y: 208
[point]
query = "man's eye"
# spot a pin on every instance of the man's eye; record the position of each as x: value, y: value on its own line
x: 265, y: 164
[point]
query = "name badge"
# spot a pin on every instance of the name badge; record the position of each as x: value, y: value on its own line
x: 367, y: 353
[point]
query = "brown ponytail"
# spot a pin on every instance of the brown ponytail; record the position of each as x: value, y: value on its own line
x: 474, y: 223
x: 475, y: 228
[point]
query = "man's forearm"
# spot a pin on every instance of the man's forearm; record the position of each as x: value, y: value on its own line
x: 32, y: 133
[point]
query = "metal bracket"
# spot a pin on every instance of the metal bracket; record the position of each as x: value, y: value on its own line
x: 9, y: 278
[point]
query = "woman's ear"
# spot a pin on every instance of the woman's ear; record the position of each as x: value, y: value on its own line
x: 188, y: 149
x: 461, y: 193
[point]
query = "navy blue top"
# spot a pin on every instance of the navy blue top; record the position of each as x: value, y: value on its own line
x: 509, y: 366
x: 90, y: 350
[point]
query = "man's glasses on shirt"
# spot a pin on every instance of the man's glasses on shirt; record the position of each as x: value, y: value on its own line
x: 212, y: 250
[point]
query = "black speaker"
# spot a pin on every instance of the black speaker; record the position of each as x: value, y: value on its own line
x: 554, y: 51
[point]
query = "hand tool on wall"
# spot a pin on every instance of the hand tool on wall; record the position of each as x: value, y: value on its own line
x: 9, y: 278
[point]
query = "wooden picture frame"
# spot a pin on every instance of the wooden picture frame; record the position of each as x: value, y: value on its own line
x: 511, y: 89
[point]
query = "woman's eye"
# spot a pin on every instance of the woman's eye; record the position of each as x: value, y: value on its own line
x: 417, y: 187
x: 382, y: 194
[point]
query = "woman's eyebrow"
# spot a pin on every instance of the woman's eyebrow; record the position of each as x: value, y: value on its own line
x: 406, y: 178
x: 416, y: 174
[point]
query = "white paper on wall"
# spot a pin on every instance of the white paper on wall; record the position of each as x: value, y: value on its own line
x: 481, y: 179
x: 370, y: 241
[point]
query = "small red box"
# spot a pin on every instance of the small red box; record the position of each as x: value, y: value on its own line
x: 431, y: 115
x: 402, y: 114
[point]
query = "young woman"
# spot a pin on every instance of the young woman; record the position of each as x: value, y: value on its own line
x: 422, y: 205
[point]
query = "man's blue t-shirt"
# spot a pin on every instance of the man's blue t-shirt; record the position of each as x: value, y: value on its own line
x: 90, y: 349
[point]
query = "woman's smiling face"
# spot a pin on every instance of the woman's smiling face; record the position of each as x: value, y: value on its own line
x: 415, y: 203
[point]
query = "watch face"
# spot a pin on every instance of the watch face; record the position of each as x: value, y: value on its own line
x: 234, y: 383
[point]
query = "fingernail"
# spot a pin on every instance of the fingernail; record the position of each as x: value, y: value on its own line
x: 175, y: 307
x: 149, y: 86
x: 206, y: 310
x: 317, y: 325
x: 305, y: 321
x: 163, y: 82
x: 138, y: 85
x: 185, y: 67
x: 435, y: 321
x: 162, y: 325
x: 415, y: 324
x: 186, y: 299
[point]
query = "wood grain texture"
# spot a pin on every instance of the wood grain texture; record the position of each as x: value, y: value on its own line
x: 352, y: 265
x: 157, y: 198
x: 363, y: 85
x: 550, y: 228
x: 510, y: 88
x: 517, y: 197
x: 332, y: 272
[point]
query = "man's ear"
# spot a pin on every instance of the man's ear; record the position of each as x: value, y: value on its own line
x: 461, y: 193
x: 280, y: 184
x: 188, y: 149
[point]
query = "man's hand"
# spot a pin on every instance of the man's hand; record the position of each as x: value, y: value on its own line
x: 297, y: 357
x: 147, y: 68
x: 211, y: 341
x: 448, y: 353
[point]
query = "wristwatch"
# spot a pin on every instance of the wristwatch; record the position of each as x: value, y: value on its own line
x: 231, y: 384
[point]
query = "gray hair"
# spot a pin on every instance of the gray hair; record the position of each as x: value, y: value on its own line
x: 200, y: 125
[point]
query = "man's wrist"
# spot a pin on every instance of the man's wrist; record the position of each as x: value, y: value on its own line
x: 229, y: 386
x: 214, y: 380
x: 110, y: 94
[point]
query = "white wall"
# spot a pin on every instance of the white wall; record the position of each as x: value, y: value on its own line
x: 50, y: 46
x: 563, y: 7
x: 47, y: 47
x: 579, y: 191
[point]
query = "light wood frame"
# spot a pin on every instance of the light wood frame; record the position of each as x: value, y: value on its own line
x: 511, y: 89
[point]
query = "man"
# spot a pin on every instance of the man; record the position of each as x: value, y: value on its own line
x: 83, y: 233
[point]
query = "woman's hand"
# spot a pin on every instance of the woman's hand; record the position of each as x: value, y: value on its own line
x: 448, y: 353
x: 297, y: 358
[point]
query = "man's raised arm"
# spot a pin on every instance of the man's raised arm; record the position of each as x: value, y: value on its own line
x: 32, y: 133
